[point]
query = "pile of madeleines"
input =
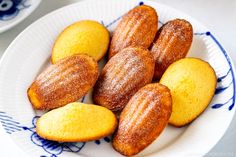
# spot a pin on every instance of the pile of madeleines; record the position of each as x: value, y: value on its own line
x: 146, y: 83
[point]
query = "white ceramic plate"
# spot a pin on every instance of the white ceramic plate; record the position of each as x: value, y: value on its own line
x: 13, y: 12
x: 30, y: 53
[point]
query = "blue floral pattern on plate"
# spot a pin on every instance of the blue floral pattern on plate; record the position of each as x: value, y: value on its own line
x: 52, y: 148
x: 9, y: 9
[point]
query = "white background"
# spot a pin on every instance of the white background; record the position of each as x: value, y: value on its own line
x: 218, y: 15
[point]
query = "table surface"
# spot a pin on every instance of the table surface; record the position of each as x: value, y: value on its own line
x: 217, y: 15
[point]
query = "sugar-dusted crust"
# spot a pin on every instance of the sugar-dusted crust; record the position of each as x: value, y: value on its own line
x: 143, y: 119
x: 173, y: 41
x: 122, y: 76
x: 137, y: 28
x: 64, y: 82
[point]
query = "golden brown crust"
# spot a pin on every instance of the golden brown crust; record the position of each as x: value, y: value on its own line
x: 137, y: 28
x: 122, y: 76
x: 172, y: 43
x: 143, y: 119
x: 64, y: 82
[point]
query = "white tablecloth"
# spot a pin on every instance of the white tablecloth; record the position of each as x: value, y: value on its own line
x: 218, y: 15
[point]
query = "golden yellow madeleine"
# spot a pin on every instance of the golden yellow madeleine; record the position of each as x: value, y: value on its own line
x: 83, y: 37
x: 76, y: 122
x: 64, y: 82
x: 192, y: 83
x: 143, y: 119
x: 137, y: 28
x: 123, y: 75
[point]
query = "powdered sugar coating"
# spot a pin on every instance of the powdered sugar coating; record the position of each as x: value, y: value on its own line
x: 64, y: 82
x: 137, y: 28
x: 172, y: 43
x: 143, y: 119
x: 122, y: 76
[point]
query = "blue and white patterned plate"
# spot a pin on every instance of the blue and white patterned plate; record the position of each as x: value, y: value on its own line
x: 30, y: 53
x: 13, y: 12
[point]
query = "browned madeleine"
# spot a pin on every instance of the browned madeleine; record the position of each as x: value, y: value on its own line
x: 143, y: 119
x: 137, y: 28
x: 123, y: 75
x: 64, y: 82
x: 172, y: 43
